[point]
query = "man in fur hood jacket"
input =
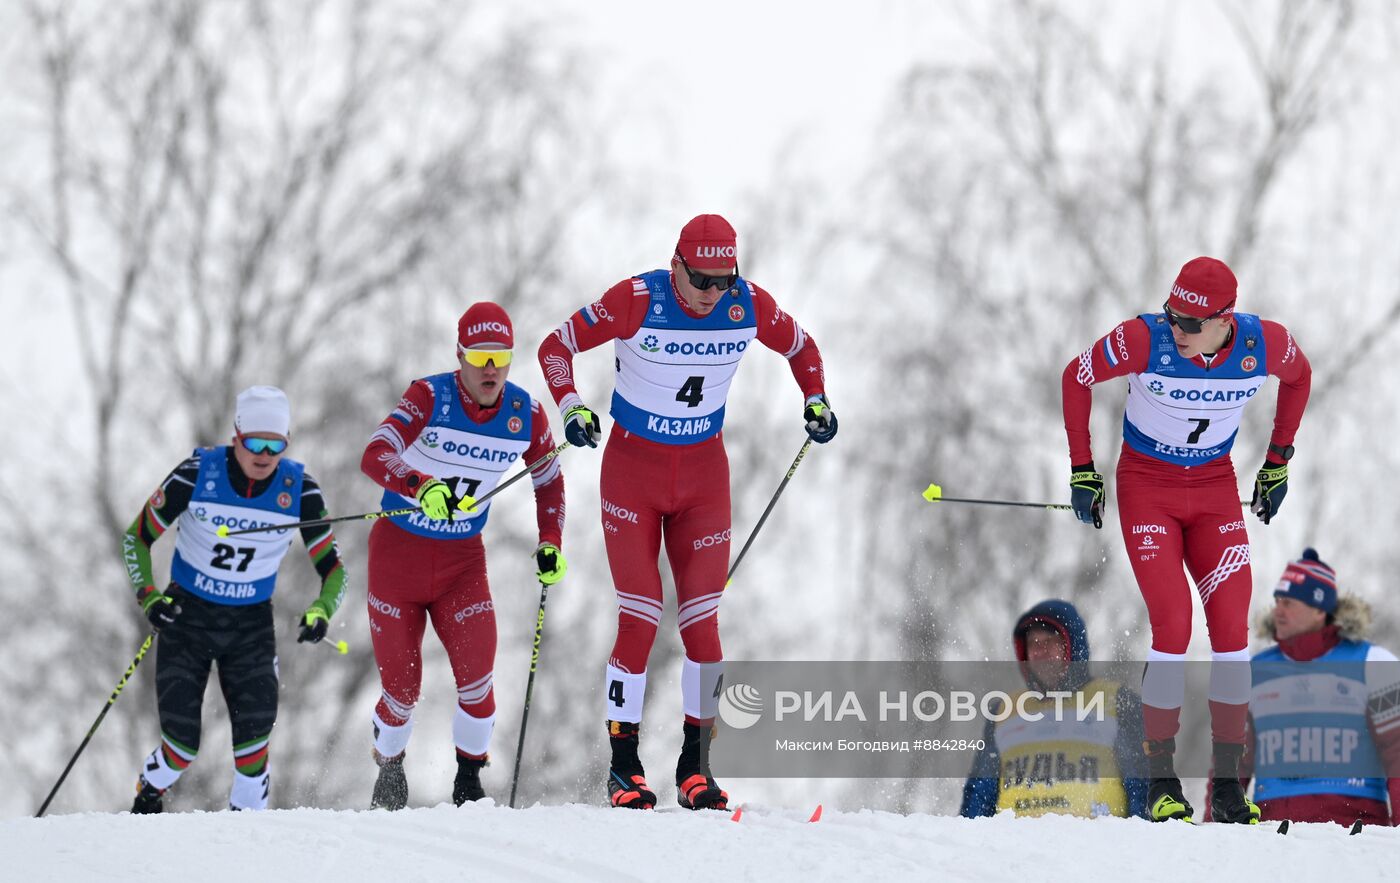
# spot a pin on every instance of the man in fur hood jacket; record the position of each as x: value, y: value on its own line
x: 1325, y: 707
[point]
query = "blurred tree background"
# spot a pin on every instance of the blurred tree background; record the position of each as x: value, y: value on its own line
x: 212, y: 195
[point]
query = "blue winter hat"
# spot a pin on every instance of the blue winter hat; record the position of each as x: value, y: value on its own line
x: 1309, y: 580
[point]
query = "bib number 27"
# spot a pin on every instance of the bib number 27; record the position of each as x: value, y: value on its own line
x: 224, y: 555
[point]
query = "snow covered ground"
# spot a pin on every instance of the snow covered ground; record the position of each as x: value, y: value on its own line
x: 488, y: 842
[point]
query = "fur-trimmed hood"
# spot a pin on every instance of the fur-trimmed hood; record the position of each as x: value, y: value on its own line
x: 1352, y: 618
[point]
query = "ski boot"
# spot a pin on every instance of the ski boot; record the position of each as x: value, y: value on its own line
x: 627, y: 783
x: 695, y: 787
x: 148, y: 798
x: 1228, y: 802
x: 391, y: 787
x: 1165, y: 800
x: 467, y: 785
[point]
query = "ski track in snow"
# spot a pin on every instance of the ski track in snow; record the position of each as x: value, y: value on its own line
x: 577, y: 842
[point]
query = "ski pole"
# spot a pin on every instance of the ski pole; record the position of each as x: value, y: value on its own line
x: 529, y: 691
x: 111, y: 700
x: 729, y: 577
x: 934, y: 494
x: 223, y: 530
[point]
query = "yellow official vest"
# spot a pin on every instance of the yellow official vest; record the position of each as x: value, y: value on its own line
x: 1065, y: 765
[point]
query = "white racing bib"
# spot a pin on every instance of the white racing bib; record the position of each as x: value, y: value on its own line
x: 234, y: 570
x: 469, y: 457
x: 1184, y: 414
x: 673, y: 375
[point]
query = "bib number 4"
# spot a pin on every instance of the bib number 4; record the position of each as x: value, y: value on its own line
x: 691, y: 392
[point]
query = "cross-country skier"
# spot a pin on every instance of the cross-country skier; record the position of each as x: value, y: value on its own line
x: 679, y: 334
x: 450, y: 440
x: 1191, y: 369
x: 218, y: 606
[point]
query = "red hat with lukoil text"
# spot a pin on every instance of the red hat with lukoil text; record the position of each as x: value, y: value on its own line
x: 1204, y: 287
x: 485, y: 326
x: 708, y: 242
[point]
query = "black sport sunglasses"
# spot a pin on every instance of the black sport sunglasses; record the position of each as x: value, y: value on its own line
x: 1191, y: 324
x: 702, y: 282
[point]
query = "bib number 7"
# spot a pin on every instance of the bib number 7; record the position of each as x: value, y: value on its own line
x: 1201, y: 424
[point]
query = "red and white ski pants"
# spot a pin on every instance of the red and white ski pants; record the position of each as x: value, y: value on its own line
x: 1173, y: 516
x: 679, y: 494
x: 412, y: 579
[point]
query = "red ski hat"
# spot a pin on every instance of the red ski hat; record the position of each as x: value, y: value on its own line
x: 485, y: 326
x: 1204, y: 287
x: 708, y: 242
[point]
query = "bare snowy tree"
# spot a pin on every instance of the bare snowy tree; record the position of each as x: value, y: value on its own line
x: 1025, y: 203
x: 1036, y: 199
x: 237, y: 193
x: 309, y: 194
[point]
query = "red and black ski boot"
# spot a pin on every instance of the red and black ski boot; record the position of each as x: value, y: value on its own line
x: 627, y: 783
x: 695, y: 787
x: 467, y: 785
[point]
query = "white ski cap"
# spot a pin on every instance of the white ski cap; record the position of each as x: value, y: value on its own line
x: 263, y: 409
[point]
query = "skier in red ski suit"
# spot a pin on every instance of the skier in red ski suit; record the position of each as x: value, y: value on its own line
x: 450, y: 440
x: 678, y: 336
x: 1191, y: 370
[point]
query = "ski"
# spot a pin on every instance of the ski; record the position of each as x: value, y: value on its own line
x: 1355, y: 828
x: 816, y: 815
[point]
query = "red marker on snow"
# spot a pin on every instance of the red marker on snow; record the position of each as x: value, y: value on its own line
x: 816, y: 814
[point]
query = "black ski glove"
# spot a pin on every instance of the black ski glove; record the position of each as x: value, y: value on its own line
x: 1270, y: 487
x: 314, y: 623
x: 821, y: 420
x: 160, y: 609
x: 1086, y: 494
